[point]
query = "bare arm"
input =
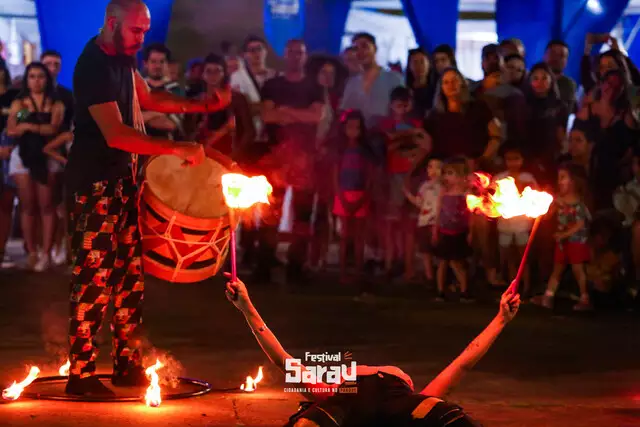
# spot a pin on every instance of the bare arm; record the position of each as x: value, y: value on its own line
x: 571, y: 230
x: 452, y: 374
x: 414, y: 199
x: 270, y: 114
x: 15, y: 129
x: 166, y: 102
x: 125, y: 138
x: 238, y: 295
x: 312, y: 115
x: 495, y: 138
x: 51, y: 149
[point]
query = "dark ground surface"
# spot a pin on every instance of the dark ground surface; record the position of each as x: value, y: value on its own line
x: 545, y: 370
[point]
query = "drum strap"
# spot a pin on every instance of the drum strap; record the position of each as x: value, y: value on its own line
x: 138, y: 124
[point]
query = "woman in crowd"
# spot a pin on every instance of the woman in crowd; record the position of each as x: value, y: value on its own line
x: 35, y: 116
x: 227, y: 131
x: 612, y: 114
x: 331, y: 75
x: 421, y: 79
x: 546, y: 124
x: 592, y: 71
x: 461, y: 126
x: 516, y: 71
x: 7, y: 189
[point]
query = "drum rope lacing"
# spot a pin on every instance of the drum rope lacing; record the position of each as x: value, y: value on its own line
x: 166, y: 236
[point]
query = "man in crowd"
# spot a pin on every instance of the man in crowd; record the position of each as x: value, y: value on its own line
x: 512, y: 46
x: 370, y: 90
x: 350, y: 60
x: 292, y: 107
x: 556, y: 56
x: 156, y: 59
x: 249, y: 80
x: 100, y: 179
x: 53, y: 61
x: 507, y: 102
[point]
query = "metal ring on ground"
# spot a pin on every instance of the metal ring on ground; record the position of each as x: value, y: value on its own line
x: 204, y: 388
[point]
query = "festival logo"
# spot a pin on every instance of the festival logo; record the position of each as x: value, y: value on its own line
x: 321, y: 373
x: 284, y: 8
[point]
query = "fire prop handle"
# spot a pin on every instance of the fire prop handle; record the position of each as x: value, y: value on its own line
x: 513, y: 288
x: 233, y: 225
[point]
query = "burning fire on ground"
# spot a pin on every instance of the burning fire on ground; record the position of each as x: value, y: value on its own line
x: 15, y: 390
x: 153, y: 396
x: 251, y: 384
x: 64, y: 369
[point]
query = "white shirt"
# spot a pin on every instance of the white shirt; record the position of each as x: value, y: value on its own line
x: 518, y: 224
x: 428, y: 199
x: 241, y: 81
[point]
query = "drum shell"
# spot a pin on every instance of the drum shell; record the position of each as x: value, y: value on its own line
x: 169, y: 235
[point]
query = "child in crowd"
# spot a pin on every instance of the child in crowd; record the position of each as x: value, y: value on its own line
x: 626, y: 200
x: 571, y: 236
x: 452, y: 232
x: 581, y: 140
x: 400, y: 132
x: 426, y: 201
x: 513, y: 233
x: 352, y: 177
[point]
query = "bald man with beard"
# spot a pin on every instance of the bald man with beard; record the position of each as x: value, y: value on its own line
x: 100, y: 178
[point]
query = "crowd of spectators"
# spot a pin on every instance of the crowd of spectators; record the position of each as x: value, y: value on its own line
x: 381, y: 161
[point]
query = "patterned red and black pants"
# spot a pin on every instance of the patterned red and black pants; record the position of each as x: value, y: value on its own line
x: 107, y: 264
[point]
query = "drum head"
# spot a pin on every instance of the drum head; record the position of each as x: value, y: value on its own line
x: 194, y: 191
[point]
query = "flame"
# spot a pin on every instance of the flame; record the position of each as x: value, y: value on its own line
x: 15, y: 390
x: 153, y: 397
x: 251, y: 383
x: 64, y: 369
x: 507, y: 201
x: 242, y: 192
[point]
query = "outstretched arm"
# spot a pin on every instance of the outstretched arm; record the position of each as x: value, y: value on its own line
x: 238, y: 295
x: 166, y: 102
x: 453, y: 373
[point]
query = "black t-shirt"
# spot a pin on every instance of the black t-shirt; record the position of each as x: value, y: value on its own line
x: 460, y: 134
x: 98, y: 79
x: 301, y: 94
x: 65, y: 96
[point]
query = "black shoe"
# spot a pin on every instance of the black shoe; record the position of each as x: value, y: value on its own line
x: 90, y: 386
x: 135, y: 377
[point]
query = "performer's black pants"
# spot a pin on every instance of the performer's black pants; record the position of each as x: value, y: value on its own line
x: 382, y: 400
x: 302, y: 209
x: 106, y: 248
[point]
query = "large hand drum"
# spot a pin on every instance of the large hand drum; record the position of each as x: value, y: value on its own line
x: 183, y: 219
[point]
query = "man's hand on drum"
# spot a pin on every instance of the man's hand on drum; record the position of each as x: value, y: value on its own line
x: 237, y: 293
x: 191, y: 152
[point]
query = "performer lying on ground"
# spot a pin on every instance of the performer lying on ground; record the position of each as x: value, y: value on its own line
x: 385, y: 395
x: 100, y: 178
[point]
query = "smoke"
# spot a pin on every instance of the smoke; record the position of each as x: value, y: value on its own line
x: 172, y: 369
x: 55, y: 333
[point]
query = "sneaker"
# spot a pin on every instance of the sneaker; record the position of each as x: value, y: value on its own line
x: 545, y: 301
x: 440, y: 298
x: 43, y: 264
x: 59, y: 257
x: 135, y: 377
x: 6, y: 262
x: 90, y: 386
x: 365, y: 297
